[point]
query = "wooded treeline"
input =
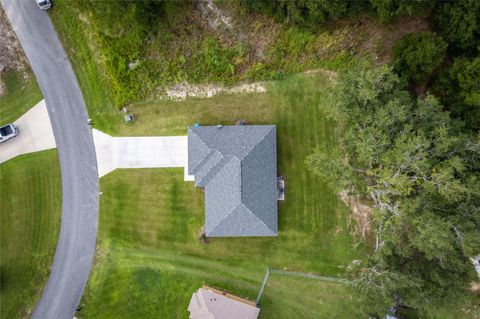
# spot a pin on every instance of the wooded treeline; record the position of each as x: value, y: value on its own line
x: 410, y: 146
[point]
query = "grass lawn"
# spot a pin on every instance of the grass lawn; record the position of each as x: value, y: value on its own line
x: 149, y: 257
x: 30, y: 209
x: 20, y: 96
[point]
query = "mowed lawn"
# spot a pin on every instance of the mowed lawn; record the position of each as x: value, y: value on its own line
x: 30, y: 206
x: 21, y: 94
x: 149, y: 256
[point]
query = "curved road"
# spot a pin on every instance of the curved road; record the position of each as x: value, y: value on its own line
x: 76, y: 151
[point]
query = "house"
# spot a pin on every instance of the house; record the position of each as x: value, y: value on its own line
x: 237, y: 168
x: 210, y: 303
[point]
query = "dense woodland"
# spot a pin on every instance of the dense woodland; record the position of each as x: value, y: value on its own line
x: 410, y: 147
x: 410, y: 143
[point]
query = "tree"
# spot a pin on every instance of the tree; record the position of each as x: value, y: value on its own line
x: 417, y: 55
x: 311, y: 12
x: 388, y: 10
x: 420, y: 173
x: 459, y: 89
x: 304, y: 12
x: 459, y: 22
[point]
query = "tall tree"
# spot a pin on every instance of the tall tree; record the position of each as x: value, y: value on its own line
x: 459, y: 22
x: 417, y: 55
x: 459, y: 89
x: 420, y: 173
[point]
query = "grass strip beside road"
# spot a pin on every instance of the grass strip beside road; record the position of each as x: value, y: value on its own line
x: 21, y: 95
x: 30, y: 211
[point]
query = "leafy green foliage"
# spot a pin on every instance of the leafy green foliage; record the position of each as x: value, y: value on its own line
x: 141, y: 45
x: 421, y: 175
x: 459, y: 89
x: 459, y: 22
x: 121, y: 29
x: 214, y: 62
x: 388, y: 10
x: 305, y: 11
x: 314, y: 12
x: 417, y: 55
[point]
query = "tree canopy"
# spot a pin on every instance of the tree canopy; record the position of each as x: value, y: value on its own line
x: 459, y: 89
x: 304, y: 11
x: 310, y: 12
x: 417, y: 55
x: 420, y: 173
x: 459, y: 22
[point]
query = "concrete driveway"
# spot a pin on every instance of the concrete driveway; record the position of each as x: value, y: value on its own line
x: 36, y: 134
x: 140, y: 152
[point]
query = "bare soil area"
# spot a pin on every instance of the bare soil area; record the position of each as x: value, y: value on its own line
x: 185, y: 90
x: 380, y: 38
x: 361, y: 213
x: 11, y: 53
x: 233, y: 27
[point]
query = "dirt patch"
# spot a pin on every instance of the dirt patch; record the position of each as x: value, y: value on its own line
x: 234, y: 27
x: 11, y: 53
x: 185, y: 90
x: 475, y: 287
x: 262, y: 31
x: 381, y: 38
x: 216, y: 18
x: 361, y: 213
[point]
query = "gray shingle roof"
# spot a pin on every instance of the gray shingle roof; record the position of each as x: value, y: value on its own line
x: 237, y: 166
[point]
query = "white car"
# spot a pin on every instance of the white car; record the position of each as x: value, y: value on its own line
x: 44, y: 4
x: 7, y: 132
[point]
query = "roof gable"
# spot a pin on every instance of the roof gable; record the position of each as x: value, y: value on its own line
x: 239, y: 222
x: 197, y: 151
x: 222, y: 194
x: 259, y: 181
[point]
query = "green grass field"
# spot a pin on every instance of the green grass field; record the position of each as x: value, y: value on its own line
x: 20, y: 96
x: 149, y: 256
x: 30, y: 209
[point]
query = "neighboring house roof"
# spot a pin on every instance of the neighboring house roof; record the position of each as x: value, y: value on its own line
x: 209, y: 303
x: 237, y: 166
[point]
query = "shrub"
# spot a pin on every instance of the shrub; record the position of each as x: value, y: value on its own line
x: 459, y: 23
x: 306, y: 12
x: 416, y: 55
x: 459, y: 88
x: 388, y: 10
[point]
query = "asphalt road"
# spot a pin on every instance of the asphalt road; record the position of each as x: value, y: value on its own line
x: 68, y: 115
